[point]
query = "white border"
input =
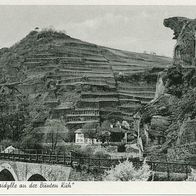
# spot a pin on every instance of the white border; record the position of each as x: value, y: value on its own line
x: 109, y: 188
x: 98, y: 2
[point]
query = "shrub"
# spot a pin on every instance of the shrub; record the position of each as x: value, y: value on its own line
x: 192, y: 176
x: 86, y: 151
x: 101, y: 154
x: 69, y: 147
x: 125, y: 171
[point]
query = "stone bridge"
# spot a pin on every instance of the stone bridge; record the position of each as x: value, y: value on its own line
x: 23, y: 171
x: 57, y: 167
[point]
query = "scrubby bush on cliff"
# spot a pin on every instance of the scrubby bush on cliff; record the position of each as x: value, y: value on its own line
x: 177, y: 81
x: 174, y: 75
x: 125, y: 171
x: 185, y: 106
x: 188, y: 104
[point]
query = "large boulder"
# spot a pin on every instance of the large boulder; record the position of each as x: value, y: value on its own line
x: 184, y: 32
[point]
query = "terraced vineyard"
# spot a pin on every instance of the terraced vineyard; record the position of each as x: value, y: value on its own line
x: 79, y: 81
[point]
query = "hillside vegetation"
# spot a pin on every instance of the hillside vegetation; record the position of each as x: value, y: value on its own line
x: 49, y: 75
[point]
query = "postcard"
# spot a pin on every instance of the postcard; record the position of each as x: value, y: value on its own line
x: 97, y: 97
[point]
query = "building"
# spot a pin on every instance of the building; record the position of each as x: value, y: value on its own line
x: 80, y: 139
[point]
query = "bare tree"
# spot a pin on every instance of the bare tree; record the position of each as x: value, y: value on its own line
x: 56, y: 132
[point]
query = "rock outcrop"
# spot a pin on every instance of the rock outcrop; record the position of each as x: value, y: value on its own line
x: 185, y: 34
x: 170, y: 117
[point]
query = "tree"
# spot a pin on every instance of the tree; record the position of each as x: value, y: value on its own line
x: 31, y: 138
x: 104, y: 132
x: 90, y: 130
x: 125, y: 171
x: 106, y: 125
x: 103, y: 136
x: 12, y: 116
x: 56, y: 132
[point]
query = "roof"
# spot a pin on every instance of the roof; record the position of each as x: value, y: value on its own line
x: 11, y: 149
x: 78, y: 131
x: 118, y: 130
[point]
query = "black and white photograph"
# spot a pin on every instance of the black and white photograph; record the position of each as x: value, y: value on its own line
x: 97, y: 93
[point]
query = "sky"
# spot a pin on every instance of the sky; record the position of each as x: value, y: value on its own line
x: 129, y: 27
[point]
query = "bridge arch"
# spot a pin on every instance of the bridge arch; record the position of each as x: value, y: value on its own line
x: 7, y: 173
x: 37, y: 177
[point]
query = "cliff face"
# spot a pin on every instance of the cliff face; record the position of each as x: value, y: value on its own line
x: 77, y: 81
x: 185, y: 34
x: 170, y: 118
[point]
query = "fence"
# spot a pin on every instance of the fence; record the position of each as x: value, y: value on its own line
x: 89, y: 163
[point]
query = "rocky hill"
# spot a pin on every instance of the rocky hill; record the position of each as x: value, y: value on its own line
x: 65, y: 78
x: 168, y: 123
x: 184, y: 33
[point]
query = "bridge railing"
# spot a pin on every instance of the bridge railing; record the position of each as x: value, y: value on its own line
x: 37, y: 157
x: 74, y: 160
x: 168, y: 167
